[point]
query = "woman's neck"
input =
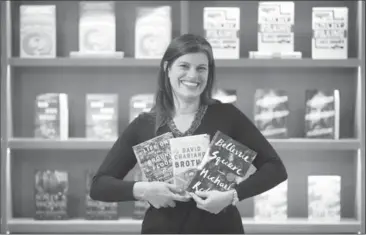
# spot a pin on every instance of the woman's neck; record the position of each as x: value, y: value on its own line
x: 186, y: 107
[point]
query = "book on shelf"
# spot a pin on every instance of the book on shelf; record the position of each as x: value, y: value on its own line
x: 102, y: 116
x: 275, y: 55
x: 225, y: 164
x: 271, y: 112
x: 51, y: 195
x: 187, y: 153
x: 222, y: 29
x: 140, y: 103
x: 330, y: 33
x: 322, y: 113
x: 225, y: 95
x: 154, y: 158
x: 272, y: 204
x: 51, y: 116
x: 37, y: 31
x: 98, y: 210
x: 153, y: 31
x: 324, y: 197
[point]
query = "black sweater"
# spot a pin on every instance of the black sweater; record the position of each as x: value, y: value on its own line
x: 109, y: 184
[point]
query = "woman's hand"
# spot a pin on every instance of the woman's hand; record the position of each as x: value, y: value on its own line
x: 212, y: 201
x: 161, y: 194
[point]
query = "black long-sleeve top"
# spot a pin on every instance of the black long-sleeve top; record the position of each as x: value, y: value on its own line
x: 109, y: 184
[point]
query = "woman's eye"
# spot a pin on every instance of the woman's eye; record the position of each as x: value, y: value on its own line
x: 202, y: 69
x: 184, y: 66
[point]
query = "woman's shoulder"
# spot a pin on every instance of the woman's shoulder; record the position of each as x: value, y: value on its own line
x: 218, y: 106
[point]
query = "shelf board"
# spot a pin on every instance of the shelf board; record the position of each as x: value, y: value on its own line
x: 128, y: 225
x: 83, y: 143
x: 220, y: 63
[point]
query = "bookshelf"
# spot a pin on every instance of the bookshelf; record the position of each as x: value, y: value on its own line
x: 22, y: 79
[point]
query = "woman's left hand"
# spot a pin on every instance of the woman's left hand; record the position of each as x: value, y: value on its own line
x: 212, y: 201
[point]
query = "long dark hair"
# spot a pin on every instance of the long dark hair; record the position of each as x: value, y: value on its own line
x: 184, y: 44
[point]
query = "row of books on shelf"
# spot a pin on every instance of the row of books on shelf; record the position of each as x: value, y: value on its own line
x: 153, y: 31
x: 271, y: 113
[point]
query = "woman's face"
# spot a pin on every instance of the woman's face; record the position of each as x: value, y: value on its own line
x: 188, y: 75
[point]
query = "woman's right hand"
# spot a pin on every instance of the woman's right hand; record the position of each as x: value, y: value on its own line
x: 161, y: 194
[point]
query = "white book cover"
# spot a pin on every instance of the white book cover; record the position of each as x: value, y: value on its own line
x: 330, y: 33
x: 272, y: 204
x: 324, y: 197
x: 153, y: 32
x: 140, y: 103
x: 275, y: 26
x: 187, y: 153
x: 222, y: 27
x: 97, y: 26
x: 37, y: 31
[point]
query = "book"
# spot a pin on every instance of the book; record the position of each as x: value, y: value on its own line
x: 51, y: 195
x: 153, y: 31
x: 271, y: 112
x: 272, y: 204
x: 322, y: 113
x: 225, y: 95
x: 51, y: 116
x: 97, y: 26
x: 102, y: 116
x: 275, y: 55
x: 154, y: 158
x: 224, y: 165
x: 221, y: 27
x: 98, y: 210
x: 140, y: 103
x: 324, y: 197
x: 37, y: 31
x: 330, y: 33
x: 187, y: 153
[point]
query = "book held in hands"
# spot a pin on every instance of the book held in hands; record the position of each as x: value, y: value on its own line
x: 224, y: 165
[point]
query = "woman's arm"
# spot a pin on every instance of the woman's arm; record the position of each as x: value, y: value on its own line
x: 270, y: 168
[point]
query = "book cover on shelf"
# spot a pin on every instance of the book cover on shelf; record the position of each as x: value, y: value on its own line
x: 271, y: 112
x: 322, y: 113
x: 224, y: 165
x: 154, y: 158
x: 51, y: 195
x: 275, y: 26
x: 187, y: 153
x: 37, y: 31
x: 153, y: 31
x: 140, y: 103
x: 225, y: 95
x: 51, y: 116
x: 324, y: 197
x: 97, y: 26
x: 102, y: 116
x: 98, y: 210
x: 272, y: 204
x: 330, y: 33
x: 221, y: 27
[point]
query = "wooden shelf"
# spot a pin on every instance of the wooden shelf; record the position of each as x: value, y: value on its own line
x: 83, y: 143
x: 132, y: 62
x: 134, y: 226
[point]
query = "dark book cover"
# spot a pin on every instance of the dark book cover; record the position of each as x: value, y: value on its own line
x: 224, y: 165
x: 271, y: 112
x: 51, y: 189
x: 322, y: 114
x: 98, y: 210
x: 154, y: 158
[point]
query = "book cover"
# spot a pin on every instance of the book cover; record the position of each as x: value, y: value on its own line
x: 102, y: 116
x: 224, y: 165
x: 97, y: 26
x: 51, y: 116
x: 275, y: 26
x: 51, y: 195
x: 154, y: 158
x: 222, y: 26
x: 225, y: 95
x: 140, y: 103
x: 187, y: 153
x: 322, y: 113
x: 98, y: 210
x: 330, y: 33
x: 271, y: 112
x: 37, y: 31
x: 324, y: 197
x: 272, y: 204
x: 153, y: 31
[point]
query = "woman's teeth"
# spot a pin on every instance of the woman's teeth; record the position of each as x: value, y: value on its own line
x: 190, y: 84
